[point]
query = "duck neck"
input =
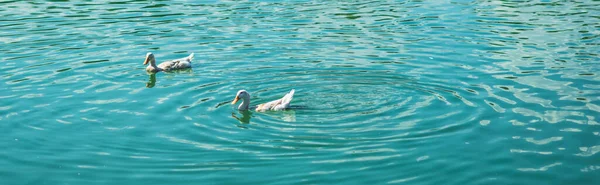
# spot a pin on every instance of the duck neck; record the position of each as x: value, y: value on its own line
x: 152, y: 67
x: 245, y: 104
x: 153, y: 63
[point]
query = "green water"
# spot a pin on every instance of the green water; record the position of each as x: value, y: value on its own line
x: 388, y: 92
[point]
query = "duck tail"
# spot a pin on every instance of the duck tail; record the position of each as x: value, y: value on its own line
x: 191, y: 57
x: 288, y: 97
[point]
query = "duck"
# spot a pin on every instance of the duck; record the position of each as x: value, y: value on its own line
x: 181, y: 63
x: 275, y: 105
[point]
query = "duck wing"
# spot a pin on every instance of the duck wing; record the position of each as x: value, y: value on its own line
x: 181, y: 63
x: 276, y: 105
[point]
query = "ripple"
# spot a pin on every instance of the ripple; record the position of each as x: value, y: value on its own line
x: 99, y: 102
x: 543, y: 168
x: 588, y: 151
x: 381, y: 86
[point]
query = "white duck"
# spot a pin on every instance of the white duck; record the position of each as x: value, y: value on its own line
x: 276, y: 105
x: 181, y: 63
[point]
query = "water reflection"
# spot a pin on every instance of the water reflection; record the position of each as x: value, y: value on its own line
x: 287, y: 116
x: 181, y: 71
x: 246, y: 115
x: 152, y: 81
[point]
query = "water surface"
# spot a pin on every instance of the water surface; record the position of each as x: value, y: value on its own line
x: 390, y: 92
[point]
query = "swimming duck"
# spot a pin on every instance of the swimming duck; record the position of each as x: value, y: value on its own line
x: 275, y: 105
x: 181, y: 63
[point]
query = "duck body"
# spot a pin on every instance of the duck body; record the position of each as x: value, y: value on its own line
x: 182, y: 63
x: 275, y: 105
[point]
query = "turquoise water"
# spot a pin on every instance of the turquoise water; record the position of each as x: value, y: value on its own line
x: 388, y: 92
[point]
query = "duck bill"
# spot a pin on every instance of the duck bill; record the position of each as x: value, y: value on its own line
x: 146, y: 61
x: 235, y: 100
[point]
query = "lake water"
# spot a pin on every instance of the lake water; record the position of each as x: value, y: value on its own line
x: 387, y: 92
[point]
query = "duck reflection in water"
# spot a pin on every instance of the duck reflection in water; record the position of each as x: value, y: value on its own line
x: 152, y: 81
x: 287, y: 116
x: 246, y: 115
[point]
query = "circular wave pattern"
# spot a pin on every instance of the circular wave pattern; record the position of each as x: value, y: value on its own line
x: 386, y: 92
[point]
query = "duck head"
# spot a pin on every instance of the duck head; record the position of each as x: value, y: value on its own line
x: 150, y: 59
x: 245, y: 96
